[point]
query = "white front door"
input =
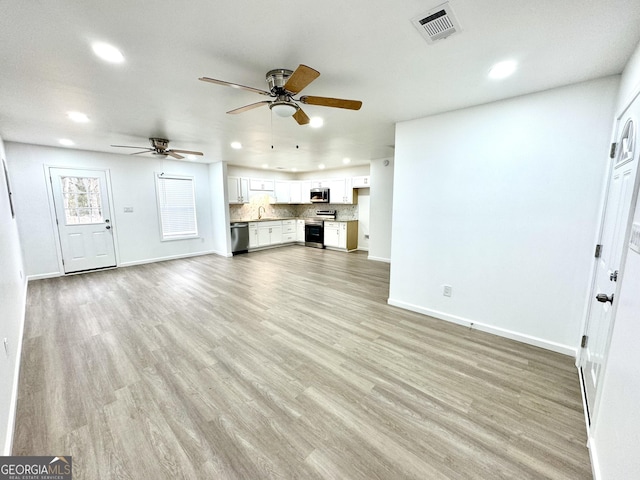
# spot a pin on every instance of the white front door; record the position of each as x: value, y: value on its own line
x: 84, y: 219
x: 614, y: 231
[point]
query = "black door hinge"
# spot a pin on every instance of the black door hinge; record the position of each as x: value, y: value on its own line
x: 612, y: 152
x: 598, y: 250
x: 583, y: 343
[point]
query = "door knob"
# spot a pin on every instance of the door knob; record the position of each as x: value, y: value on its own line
x: 604, y: 298
x: 108, y: 227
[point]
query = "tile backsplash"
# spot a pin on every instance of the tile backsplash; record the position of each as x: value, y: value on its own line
x: 249, y: 211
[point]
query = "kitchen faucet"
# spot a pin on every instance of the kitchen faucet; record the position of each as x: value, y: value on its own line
x: 260, y: 214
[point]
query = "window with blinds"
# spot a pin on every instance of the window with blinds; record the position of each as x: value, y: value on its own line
x: 177, y: 207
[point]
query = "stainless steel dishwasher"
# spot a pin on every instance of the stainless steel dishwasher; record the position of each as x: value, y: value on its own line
x: 239, y: 237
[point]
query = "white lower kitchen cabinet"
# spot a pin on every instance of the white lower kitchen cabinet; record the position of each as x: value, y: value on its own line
x: 341, y: 235
x: 288, y: 231
x: 332, y: 234
x: 269, y: 233
x: 300, y: 230
x: 253, y: 234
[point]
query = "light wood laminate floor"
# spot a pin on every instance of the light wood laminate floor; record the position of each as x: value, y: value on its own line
x: 285, y: 363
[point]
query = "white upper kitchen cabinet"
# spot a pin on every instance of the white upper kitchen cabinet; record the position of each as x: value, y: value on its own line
x: 261, y: 184
x: 363, y: 181
x: 341, y: 191
x: 238, y: 190
x: 305, y: 191
x: 282, y: 191
x: 320, y: 183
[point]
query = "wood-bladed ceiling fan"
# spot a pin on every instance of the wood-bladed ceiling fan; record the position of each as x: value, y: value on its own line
x: 284, y: 85
x: 160, y: 146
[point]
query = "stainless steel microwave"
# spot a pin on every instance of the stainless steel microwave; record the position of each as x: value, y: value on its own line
x: 320, y: 195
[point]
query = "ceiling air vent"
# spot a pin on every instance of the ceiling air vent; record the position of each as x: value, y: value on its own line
x: 437, y: 23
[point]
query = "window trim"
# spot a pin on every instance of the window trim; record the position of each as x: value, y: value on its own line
x: 170, y: 238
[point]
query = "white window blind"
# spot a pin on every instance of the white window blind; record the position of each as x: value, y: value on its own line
x: 177, y: 207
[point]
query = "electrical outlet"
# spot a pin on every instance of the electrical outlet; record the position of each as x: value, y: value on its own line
x: 447, y: 290
x: 128, y: 209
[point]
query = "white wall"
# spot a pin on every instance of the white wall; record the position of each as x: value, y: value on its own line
x: 132, y: 185
x: 630, y: 81
x: 501, y: 202
x: 364, y: 223
x: 615, y: 431
x: 220, y: 208
x: 381, y: 209
x: 13, y: 290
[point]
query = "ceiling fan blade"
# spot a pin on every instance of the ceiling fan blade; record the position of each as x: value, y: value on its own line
x: 188, y: 152
x: 301, y: 117
x: 299, y: 79
x: 249, y: 107
x: 143, y: 151
x: 129, y: 146
x: 331, y: 102
x: 235, y: 85
x: 173, y: 154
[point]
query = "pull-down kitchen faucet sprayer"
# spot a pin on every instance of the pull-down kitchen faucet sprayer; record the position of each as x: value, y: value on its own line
x: 260, y: 214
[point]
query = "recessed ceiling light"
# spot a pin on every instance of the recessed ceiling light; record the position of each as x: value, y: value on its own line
x: 265, y: 165
x: 78, y: 117
x: 321, y: 166
x: 294, y: 169
x: 107, y: 52
x: 502, y: 69
x: 346, y: 160
x: 316, y: 122
x: 66, y: 142
x: 236, y: 145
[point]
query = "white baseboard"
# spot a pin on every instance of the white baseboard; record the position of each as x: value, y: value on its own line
x: 172, y: 257
x: 363, y: 249
x: 379, y: 259
x: 501, y: 332
x: 13, y: 403
x: 42, y: 276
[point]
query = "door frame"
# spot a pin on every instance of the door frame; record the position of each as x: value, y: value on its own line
x: 53, y: 217
x: 591, y: 410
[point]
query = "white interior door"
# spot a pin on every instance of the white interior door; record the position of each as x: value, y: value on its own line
x: 614, y: 229
x: 84, y: 219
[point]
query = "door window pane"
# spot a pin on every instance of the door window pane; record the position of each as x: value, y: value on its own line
x: 82, y: 201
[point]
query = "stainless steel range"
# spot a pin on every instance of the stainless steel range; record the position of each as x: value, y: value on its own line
x: 314, y: 228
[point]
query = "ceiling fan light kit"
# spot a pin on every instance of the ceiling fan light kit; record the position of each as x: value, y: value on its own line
x: 284, y: 85
x: 283, y: 109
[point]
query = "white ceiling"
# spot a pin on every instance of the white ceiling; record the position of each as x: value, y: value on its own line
x: 365, y: 50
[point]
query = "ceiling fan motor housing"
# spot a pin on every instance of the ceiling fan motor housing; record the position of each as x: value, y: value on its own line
x: 276, y: 79
x: 160, y: 144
